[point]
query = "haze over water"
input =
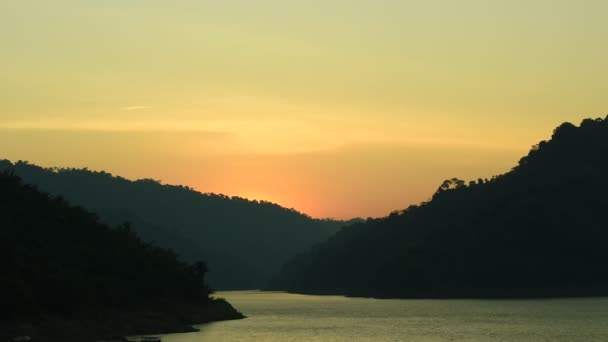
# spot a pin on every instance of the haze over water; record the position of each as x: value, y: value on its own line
x: 274, y: 316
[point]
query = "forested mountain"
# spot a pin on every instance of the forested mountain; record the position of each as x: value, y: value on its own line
x: 244, y: 241
x: 538, y: 230
x: 66, y: 276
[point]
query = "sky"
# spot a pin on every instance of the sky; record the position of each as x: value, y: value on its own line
x: 335, y: 108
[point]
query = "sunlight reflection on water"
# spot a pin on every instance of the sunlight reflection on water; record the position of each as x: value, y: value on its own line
x: 275, y: 316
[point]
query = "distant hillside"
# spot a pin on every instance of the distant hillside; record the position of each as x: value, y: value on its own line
x: 538, y: 230
x: 67, y: 277
x: 244, y: 241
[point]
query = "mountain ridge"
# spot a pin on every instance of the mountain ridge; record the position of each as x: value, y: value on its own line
x: 245, y: 241
x: 68, y: 277
x: 531, y: 232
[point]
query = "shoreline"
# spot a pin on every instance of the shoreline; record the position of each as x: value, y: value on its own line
x: 164, y: 318
x: 448, y: 297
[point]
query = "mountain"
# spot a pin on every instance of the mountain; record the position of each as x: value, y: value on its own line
x: 68, y: 277
x: 243, y: 241
x: 539, y: 230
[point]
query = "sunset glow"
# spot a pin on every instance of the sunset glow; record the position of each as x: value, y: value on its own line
x: 334, y: 110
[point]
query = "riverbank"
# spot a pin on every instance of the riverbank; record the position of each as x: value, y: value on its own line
x: 160, y: 318
x: 483, y: 294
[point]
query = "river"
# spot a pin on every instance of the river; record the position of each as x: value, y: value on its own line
x: 276, y: 316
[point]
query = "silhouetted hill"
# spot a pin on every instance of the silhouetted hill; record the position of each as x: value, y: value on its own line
x: 244, y: 241
x: 66, y: 276
x: 538, y: 230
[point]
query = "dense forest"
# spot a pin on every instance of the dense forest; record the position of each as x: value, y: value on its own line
x: 245, y: 242
x: 539, y: 230
x: 66, y: 276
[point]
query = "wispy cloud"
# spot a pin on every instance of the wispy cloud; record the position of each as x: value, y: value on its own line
x: 138, y: 107
x: 129, y: 125
x: 266, y: 125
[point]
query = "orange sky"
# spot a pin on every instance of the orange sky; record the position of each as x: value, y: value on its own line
x: 335, y: 108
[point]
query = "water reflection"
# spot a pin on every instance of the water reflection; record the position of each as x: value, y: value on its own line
x: 275, y: 316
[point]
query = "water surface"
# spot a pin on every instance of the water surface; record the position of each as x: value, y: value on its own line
x: 275, y: 316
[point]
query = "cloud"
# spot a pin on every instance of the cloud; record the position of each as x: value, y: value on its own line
x: 129, y: 125
x: 138, y: 107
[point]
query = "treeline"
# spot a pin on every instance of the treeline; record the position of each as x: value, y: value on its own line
x: 59, y: 261
x: 538, y: 230
x: 244, y: 241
